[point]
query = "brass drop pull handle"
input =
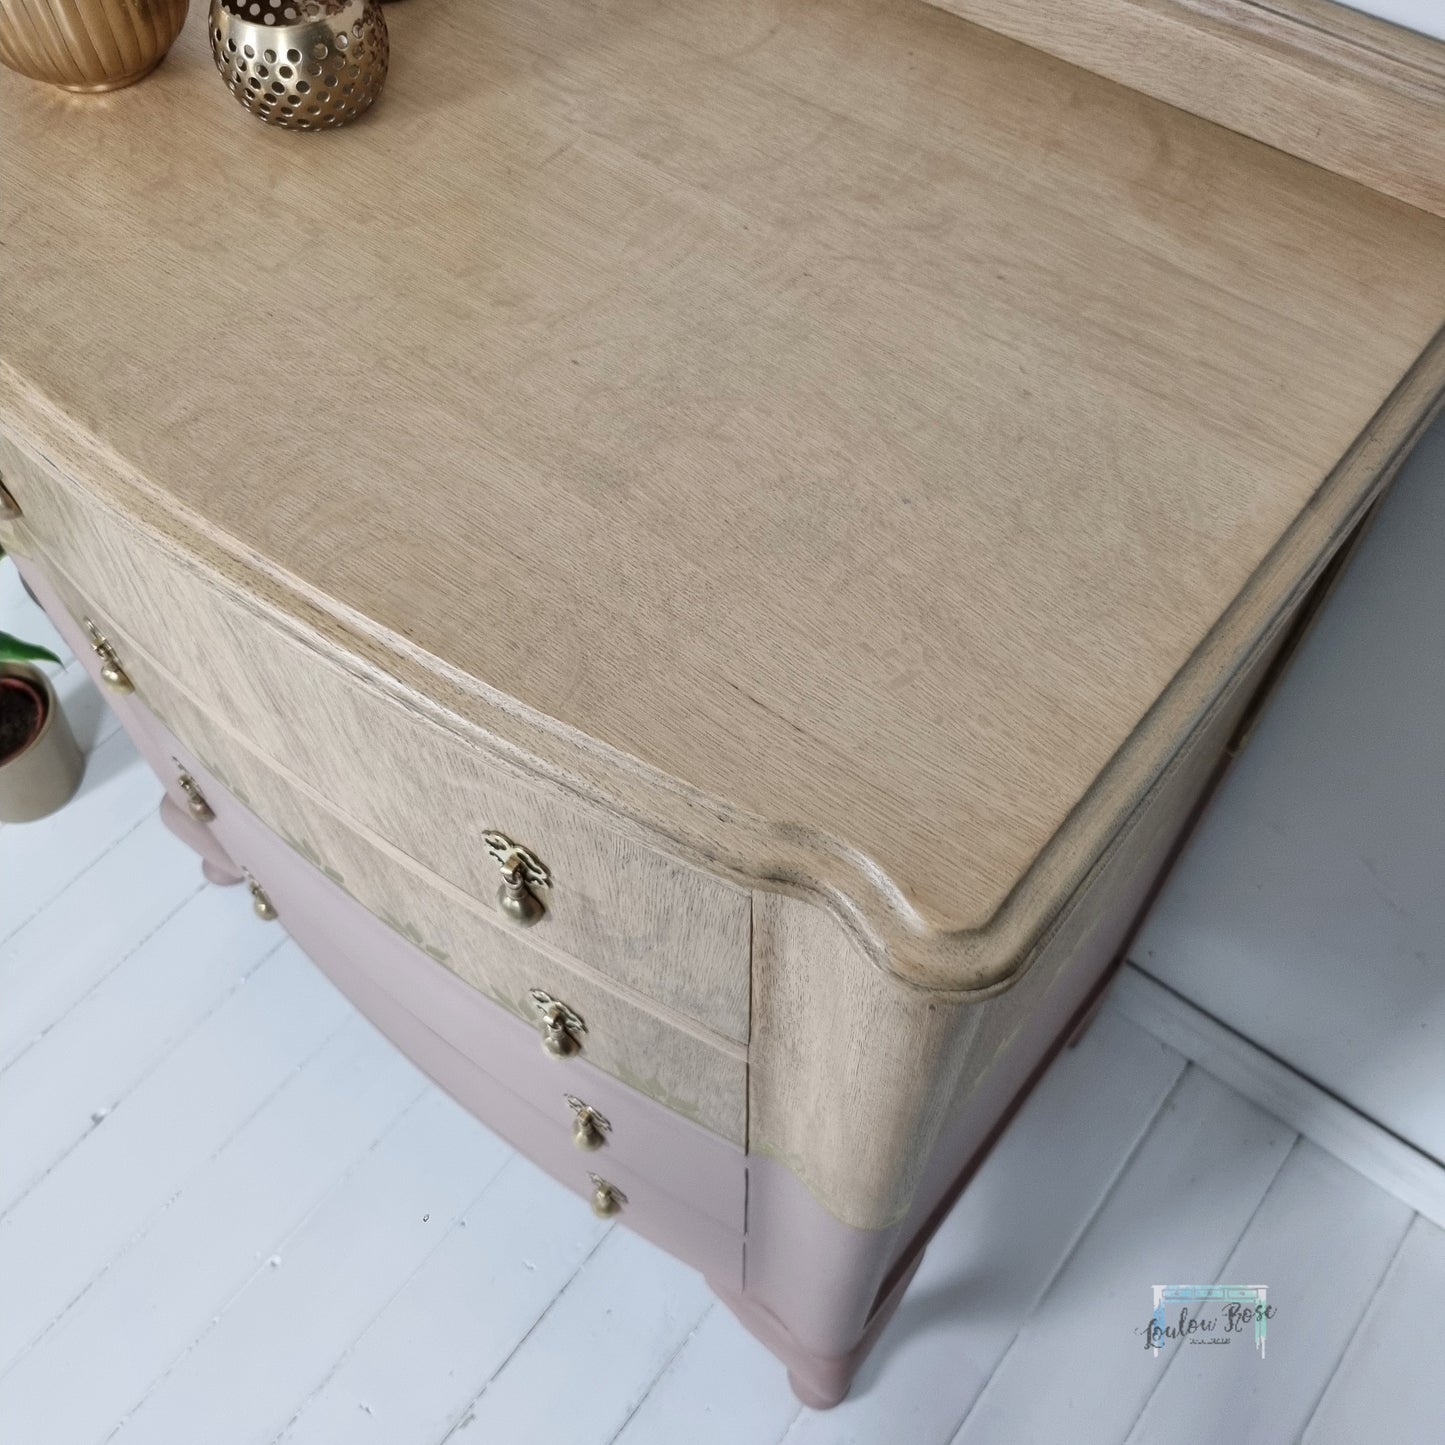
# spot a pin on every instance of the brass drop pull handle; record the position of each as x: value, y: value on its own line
x: 9, y: 507
x: 589, y: 1128
x: 561, y: 1027
x: 261, y: 904
x: 196, y: 804
x: 556, y: 1038
x: 607, y: 1199
x: 522, y: 873
x: 112, y: 674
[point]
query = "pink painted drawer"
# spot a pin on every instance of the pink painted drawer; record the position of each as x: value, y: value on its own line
x: 685, y: 1186
x: 368, y: 961
x: 684, y: 1230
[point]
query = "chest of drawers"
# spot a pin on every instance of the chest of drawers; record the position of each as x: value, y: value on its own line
x: 709, y: 639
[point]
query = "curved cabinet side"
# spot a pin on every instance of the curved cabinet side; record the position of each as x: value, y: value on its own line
x: 871, y: 1104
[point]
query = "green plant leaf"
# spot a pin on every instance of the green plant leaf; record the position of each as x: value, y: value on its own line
x: 13, y: 650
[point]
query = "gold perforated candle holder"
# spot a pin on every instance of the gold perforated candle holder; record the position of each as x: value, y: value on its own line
x: 302, y: 64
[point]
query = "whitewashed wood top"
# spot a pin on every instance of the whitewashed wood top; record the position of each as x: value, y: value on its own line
x: 847, y: 443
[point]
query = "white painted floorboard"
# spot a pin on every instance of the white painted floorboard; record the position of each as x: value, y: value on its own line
x: 1176, y: 1212
x: 1388, y: 1386
x: 51, y: 963
x: 232, y: 1214
x: 1006, y: 1240
x: 122, y: 1029
x: 421, y: 1362
x: 141, y: 1311
x: 1323, y: 1276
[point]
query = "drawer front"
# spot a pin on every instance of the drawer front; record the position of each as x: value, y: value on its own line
x: 667, y: 1057
x: 703, y: 1126
x: 433, y: 1014
x: 701, y: 1078
x: 491, y: 1060
x: 670, y: 931
x: 684, y: 1229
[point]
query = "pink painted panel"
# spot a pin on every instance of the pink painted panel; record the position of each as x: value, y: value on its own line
x: 216, y: 863
x: 695, y: 1200
x: 360, y: 953
x: 681, y: 1229
x: 412, y: 999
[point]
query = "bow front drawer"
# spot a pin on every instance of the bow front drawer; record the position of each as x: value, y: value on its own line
x: 575, y: 1015
x: 588, y: 1036
x: 543, y: 863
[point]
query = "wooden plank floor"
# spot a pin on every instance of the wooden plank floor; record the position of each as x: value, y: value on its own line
x: 232, y: 1214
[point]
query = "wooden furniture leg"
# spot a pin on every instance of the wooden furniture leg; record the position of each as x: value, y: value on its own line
x: 216, y: 863
x: 819, y: 1381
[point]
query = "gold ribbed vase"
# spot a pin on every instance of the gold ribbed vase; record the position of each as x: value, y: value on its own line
x: 88, y: 44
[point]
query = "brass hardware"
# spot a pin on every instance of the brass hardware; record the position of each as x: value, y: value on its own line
x: 9, y: 507
x: 590, y: 1130
x: 261, y: 904
x: 522, y: 871
x: 307, y: 66
x: 560, y: 1026
x: 112, y: 674
x: 607, y: 1199
x: 78, y: 44
x: 196, y: 804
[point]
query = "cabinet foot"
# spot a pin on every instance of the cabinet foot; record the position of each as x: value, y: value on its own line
x: 808, y: 1391
x: 216, y: 865
x: 226, y: 876
x: 820, y: 1381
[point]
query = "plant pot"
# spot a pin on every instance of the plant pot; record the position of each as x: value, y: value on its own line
x: 88, y: 45
x: 41, y: 773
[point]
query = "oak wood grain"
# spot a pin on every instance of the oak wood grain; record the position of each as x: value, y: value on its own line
x: 852, y: 448
x: 1347, y: 91
x: 676, y: 933
x: 855, y: 1079
x: 663, y: 1055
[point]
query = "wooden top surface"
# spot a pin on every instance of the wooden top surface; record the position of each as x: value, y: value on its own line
x: 838, y: 437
